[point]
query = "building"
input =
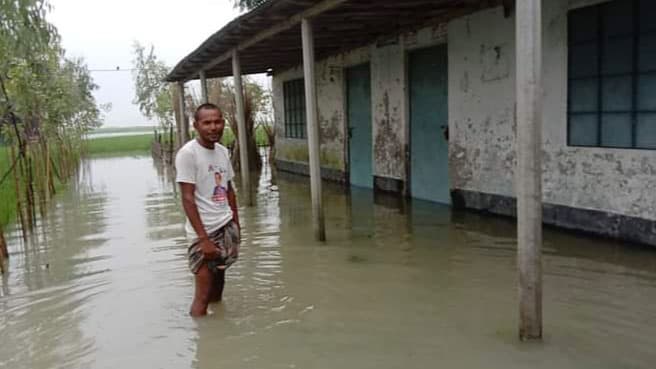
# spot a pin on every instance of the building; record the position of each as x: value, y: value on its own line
x: 418, y: 97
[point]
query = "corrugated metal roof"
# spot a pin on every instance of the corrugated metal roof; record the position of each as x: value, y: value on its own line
x: 269, y: 36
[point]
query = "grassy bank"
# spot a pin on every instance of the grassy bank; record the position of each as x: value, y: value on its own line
x: 138, y: 144
x: 123, y: 129
x: 141, y: 143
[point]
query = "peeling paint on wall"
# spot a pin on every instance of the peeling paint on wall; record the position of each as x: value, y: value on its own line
x: 331, y: 114
x: 483, y: 126
x: 387, y: 145
x: 389, y: 123
x: 481, y: 111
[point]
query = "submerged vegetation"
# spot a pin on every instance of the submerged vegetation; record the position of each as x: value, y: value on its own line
x: 7, y: 191
x: 261, y: 137
x: 46, y: 109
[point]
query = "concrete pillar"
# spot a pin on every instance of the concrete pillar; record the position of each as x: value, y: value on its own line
x: 312, y: 129
x: 241, y: 125
x: 528, y: 33
x: 203, y: 87
x: 178, y: 122
x: 184, y: 121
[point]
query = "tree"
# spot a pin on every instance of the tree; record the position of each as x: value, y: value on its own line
x: 153, y: 95
x: 46, y: 106
x: 256, y: 104
x: 247, y: 4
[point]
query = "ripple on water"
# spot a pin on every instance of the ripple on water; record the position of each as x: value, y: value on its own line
x: 398, y: 284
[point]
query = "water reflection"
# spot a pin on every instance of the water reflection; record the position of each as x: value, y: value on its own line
x: 52, y: 278
x: 398, y: 284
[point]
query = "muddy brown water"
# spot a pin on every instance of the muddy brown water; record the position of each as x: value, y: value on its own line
x: 104, y: 284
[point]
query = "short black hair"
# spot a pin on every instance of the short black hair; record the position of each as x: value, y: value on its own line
x: 205, y: 106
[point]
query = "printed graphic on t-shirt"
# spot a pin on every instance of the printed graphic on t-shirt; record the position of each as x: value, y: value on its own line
x: 220, y: 193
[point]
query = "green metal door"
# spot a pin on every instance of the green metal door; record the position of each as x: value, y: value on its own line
x: 429, y: 150
x: 358, y: 86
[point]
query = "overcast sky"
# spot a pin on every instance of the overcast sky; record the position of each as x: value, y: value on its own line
x: 103, y: 31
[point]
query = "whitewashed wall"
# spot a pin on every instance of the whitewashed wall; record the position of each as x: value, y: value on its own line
x: 481, y: 110
x: 481, y: 116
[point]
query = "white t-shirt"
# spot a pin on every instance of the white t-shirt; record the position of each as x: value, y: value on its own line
x: 210, y: 171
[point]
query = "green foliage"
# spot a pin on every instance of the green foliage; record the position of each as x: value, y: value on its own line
x: 46, y: 107
x: 120, y: 145
x: 261, y: 137
x: 153, y: 95
x: 228, y: 138
x: 247, y: 4
x: 256, y: 98
x: 40, y: 88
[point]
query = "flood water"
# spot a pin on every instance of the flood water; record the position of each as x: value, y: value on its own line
x: 105, y: 285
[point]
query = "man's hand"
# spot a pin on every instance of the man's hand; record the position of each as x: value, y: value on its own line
x: 209, y: 249
x: 238, y: 229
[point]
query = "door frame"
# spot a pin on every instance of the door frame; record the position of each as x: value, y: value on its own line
x: 347, y: 139
x: 407, y: 191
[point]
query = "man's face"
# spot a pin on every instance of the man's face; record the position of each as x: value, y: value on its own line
x: 210, y: 125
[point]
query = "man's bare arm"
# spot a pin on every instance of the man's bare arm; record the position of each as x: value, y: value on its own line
x: 191, y: 210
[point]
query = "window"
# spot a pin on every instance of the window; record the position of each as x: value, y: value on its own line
x: 294, y: 96
x: 612, y: 75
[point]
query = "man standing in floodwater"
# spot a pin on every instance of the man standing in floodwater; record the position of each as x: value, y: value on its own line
x: 205, y: 176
